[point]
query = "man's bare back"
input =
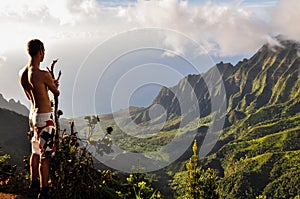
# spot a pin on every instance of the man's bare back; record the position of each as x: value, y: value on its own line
x: 36, y: 84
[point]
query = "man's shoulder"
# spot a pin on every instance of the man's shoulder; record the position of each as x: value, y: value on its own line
x: 23, y: 70
x: 44, y: 72
x: 39, y: 75
x: 44, y: 75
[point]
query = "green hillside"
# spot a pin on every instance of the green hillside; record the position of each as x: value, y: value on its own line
x: 14, y: 141
x: 264, y: 159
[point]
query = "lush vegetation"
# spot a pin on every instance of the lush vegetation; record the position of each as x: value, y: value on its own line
x: 12, y: 178
x: 73, y: 175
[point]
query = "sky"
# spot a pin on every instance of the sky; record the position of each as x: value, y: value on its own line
x: 109, y: 46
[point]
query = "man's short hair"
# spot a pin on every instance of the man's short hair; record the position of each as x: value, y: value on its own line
x: 34, y: 46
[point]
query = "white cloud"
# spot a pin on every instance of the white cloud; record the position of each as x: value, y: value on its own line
x: 223, y: 29
x: 285, y: 18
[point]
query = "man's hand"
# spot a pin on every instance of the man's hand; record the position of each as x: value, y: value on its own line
x: 56, y: 82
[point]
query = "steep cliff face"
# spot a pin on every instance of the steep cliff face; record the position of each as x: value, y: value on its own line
x: 269, y: 77
x: 258, y: 151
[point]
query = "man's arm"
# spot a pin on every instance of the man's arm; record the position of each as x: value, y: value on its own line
x: 23, y: 78
x: 28, y: 95
x: 52, y: 84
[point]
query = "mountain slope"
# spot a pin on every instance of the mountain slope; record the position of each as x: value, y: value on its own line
x: 262, y: 154
x: 13, y: 128
x: 270, y: 77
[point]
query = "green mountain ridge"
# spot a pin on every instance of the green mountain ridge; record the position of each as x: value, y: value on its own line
x: 262, y: 156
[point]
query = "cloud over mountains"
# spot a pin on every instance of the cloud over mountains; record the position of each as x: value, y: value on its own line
x: 225, y: 29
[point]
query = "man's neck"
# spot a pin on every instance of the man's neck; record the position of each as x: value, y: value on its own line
x: 34, y: 63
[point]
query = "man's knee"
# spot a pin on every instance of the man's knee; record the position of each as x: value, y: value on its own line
x: 45, y: 161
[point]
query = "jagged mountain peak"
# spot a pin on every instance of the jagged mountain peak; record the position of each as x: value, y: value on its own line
x: 280, y: 44
x: 13, y: 105
x: 267, y: 78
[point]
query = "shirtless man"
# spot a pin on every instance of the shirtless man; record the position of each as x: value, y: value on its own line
x: 36, y: 84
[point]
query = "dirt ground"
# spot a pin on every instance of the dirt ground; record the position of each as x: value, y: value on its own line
x: 11, y: 196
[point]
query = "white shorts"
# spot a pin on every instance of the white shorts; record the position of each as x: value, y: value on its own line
x: 43, y: 140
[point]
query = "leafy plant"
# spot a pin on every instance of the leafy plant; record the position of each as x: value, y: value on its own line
x: 73, y: 174
x: 12, y: 179
x: 102, y: 145
x: 137, y: 187
x: 195, y: 182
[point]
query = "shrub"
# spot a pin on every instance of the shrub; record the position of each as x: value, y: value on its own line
x: 195, y: 182
x: 73, y: 174
x: 138, y: 187
x: 12, y: 179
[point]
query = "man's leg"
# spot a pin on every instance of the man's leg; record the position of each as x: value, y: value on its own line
x: 34, y: 171
x: 44, y: 172
x: 34, y: 167
x: 44, y: 177
x: 45, y: 132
